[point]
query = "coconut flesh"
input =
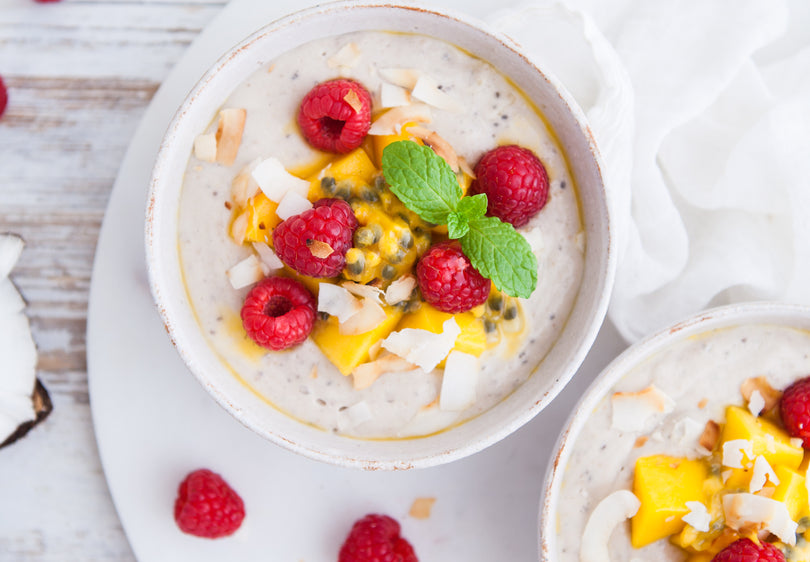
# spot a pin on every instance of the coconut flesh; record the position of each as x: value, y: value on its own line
x: 23, y: 400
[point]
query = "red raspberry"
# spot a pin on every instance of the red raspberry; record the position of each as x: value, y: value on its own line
x: 745, y: 550
x: 3, y: 97
x: 278, y: 313
x: 375, y: 538
x: 448, y: 280
x: 331, y: 221
x: 207, y: 507
x: 329, y: 122
x: 795, y: 410
x: 515, y: 181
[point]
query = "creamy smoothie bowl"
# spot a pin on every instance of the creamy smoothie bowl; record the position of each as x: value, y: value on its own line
x: 377, y: 247
x: 690, y: 446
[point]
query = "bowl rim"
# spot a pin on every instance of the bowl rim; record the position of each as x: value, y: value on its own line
x: 604, y: 270
x: 757, y: 312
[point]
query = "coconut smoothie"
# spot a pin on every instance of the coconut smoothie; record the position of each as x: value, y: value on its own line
x: 301, y: 381
x: 702, y: 375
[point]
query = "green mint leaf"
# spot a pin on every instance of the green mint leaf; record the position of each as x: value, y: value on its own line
x: 469, y: 208
x: 457, y: 225
x: 422, y: 180
x: 473, y: 207
x: 500, y: 253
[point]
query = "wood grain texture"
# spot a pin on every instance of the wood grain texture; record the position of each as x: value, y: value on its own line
x: 79, y: 74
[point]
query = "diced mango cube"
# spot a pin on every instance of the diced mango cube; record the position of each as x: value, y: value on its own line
x: 792, y: 492
x: 261, y: 219
x: 381, y: 141
x: 664, y: 484
x: 355, y: 165
x: 472, y: 339
x: 347, y: 352
x: 767, y: 439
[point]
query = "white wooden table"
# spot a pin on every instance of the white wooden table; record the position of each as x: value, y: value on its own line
x: 80, y: 74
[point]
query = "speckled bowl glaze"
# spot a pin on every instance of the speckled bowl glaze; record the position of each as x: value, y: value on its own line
x: 762, y: 313
x: 566, y: 120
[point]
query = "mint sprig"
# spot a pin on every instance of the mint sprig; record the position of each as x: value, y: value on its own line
x: 426, y: 184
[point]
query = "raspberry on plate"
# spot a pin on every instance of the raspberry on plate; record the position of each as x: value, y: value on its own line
x: 515, y: 182
x: 278, y: 313
x: 795, y: 410
x: 448, y: 280
x: 375, y: 538
x: 3, y: 97
x: 335, y: 115
x: 315, y: 242
x: 745, y: 550
x: 207, y: 507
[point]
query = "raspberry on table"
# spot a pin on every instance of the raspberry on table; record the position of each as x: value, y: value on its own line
x: 206, y: 506
x: 299, y: 240
x: 3, y: 97
x: 278, y: 313
x: 795, y: 410
x: 330, y: 118
x: 375, y: 538
x: 745, y: 550
x: 514, y: 181
x: 448, y: 280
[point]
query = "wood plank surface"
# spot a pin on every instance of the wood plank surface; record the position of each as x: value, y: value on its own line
x: 79, y: 74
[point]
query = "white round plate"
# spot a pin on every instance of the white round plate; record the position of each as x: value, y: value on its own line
x: 154, y: 423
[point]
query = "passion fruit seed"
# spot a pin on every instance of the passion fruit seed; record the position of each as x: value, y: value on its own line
x: 355, y: 261
x: 388, y: 272
x: 328, y: 185
x: 343, y: 190
x: 406, y: 240
x: 367, y: 193
x: 495, y: 303
x: 510, y: 313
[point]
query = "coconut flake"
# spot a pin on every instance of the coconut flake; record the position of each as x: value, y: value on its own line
x: 205, y: 147
x: 239, y: 228
x: 246, y: 272
x: 465, y: 167
x: 427, y: 90
x: 18, y: 374
x: 243, y: 186
x: 353, y: 100
x: 756, y: 403
x: 400, y: 290
x: 421, y: 508
x: 275, y: 181
x: 709, y: 437
x: 392, y: 95
x: 354, y: 415
x: 346, y: 57
x: 423, y: 347
x: 402, y: 77
x: 391, y: 122
x: 366, y: 373
x: 270, y: 261
x: 364, y: 291
x: 608, y: 514
x: 229, y: 134
x: 770, y: 395
x: 292, y: 204
x: 459, y: 381
x: 698, y: 517
x: 11, y: 246
x: 632, y: 411
x: 746, y: 511
x: 367, y: 318
x: 796, y: 442
x: 734, y: 450
x: 337, y: 301
x: 761, y: 474
x: 319, y: 249
x: 440, y: 146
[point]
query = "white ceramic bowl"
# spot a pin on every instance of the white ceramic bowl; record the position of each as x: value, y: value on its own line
x: 197, y: 111
x: 595, y: 401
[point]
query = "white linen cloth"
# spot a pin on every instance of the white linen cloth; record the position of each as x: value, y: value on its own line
x: 702, y: 113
